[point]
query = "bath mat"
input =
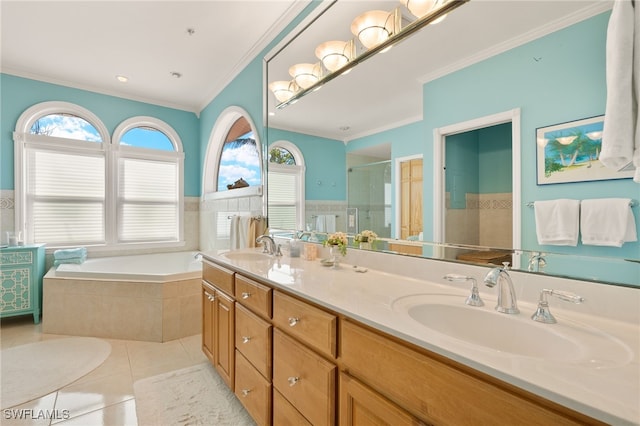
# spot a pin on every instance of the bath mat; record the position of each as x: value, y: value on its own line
x: 36, y: 369
x: 191, y: 396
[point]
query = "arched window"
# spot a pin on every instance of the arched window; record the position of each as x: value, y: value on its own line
x: 74, y: 187
x: 286, y: 186
x: 149, y: 173
x: 240, y: 160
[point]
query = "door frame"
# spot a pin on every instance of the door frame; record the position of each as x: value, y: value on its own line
x: 439, y: 136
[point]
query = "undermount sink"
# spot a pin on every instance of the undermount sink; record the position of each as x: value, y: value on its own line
x: 246, y: 256
x: 487, y: 329
x: 494, y: 330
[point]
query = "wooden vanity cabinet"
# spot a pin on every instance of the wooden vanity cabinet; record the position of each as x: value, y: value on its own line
x: 218, y: 320
x: 361, y: 405
x: 437, y: 390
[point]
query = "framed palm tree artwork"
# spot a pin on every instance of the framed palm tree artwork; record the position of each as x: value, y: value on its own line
x: 569, y: 152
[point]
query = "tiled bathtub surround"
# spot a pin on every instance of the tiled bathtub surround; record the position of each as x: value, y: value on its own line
x: 215, y: 222
x: 155, y: 312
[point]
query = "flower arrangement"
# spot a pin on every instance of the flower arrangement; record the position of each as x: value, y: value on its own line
x: 366, y: 236
x: 338, y: 239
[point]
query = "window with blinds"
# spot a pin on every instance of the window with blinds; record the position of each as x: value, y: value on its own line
x: 76, y: 187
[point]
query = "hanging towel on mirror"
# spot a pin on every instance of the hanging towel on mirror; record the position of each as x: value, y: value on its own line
x: 321, y: 223
x: 557, y: 222
x: 234, y: 233
x: 607, y: 222
x: 621, y: 132
x: 330, y: 223
x: 256, y: 228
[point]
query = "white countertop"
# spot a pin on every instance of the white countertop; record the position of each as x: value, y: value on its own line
x: 606, y: 387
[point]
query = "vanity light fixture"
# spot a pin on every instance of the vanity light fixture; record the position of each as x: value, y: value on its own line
x: 283, y: 90
x: 566, y: 140
x: 375, y: 27
x: 306, y: 75
x: 377, y: 30
x: 420, y: 8
x: 335, y: 54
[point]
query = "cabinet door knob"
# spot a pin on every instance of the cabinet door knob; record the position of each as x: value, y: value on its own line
x: 293, y: 380
x: 210, y: 296
x: 245, y: 339
x: 245, y: 295
x: 293, y: 321
x: 245, y: 392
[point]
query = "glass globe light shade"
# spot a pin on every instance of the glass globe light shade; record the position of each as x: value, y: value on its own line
x: 420, y: 8
x: 566, y: 140
x: 373, y: 27
x: 334, y: 54
x: 282, y: 90
x: 305, y: 75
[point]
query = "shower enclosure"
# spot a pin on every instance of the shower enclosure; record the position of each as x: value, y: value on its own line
x: 369, y: 198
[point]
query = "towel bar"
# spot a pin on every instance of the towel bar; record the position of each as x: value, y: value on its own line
x: 632, y: 203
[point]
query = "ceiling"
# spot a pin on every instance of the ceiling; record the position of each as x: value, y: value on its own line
x: 86, y: 44
x: 386, y: 90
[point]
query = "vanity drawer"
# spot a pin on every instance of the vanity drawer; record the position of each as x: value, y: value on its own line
x: 220, y: 277
x: 253, y: 339
x: 254, y: 296
x: 435, y: 390
x: 253, y: 391
x: 285, y: 414
x: 311, y: 325
x: 305, y: 379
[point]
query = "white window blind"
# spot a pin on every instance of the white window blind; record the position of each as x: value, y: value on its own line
x: 65, y: 193
x: 148, y: 200
x: 283, y: 200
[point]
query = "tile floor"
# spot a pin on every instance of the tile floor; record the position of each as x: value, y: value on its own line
x: 104, y: 396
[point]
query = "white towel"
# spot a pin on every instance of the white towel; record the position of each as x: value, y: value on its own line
x: 321, y: 223
x: 557, y: 222
x: 607, y: 222
x: 330, y: 223
x: 623, y: 73
x: 243, y: 231
x: 234, y: 233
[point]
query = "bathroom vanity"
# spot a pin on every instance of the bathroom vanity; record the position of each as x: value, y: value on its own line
x: 301, y: 343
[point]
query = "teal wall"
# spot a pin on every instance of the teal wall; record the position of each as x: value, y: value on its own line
x: 17, y: 94
x: 462, y: 172
x: 324, y: 179
x: 494, y: 157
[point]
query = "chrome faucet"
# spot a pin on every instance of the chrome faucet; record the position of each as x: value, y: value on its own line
x: 269, y: 245
x: 474, y: 298
x: 507, y: 303
x: 537, y: 262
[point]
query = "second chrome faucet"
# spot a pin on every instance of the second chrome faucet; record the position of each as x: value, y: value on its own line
x: 499, y: 276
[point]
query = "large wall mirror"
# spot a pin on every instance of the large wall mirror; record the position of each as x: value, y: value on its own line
x: 431, y: 143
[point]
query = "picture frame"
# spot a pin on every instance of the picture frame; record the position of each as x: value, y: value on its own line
x: 568, y: 152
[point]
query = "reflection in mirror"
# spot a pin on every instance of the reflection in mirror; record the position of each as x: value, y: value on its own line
x: 454, y: 72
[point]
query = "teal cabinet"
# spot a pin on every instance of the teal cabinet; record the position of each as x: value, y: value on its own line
x: 21, y: 271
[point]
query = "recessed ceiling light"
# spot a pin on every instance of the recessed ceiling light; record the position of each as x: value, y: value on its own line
x: 122, y: 78
x: 175, y: 74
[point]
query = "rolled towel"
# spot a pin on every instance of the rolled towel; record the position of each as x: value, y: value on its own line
x: 607, y: 222
x: 73, y: 253
x: 557, y: 222
x: 75, y: 260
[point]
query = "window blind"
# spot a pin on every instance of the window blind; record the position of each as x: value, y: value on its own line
x: 148, y: 203
x: 65, y: 197
x: 283, y: 201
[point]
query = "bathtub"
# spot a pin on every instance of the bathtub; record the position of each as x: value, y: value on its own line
x: 157, y: 268
x: 151, y: 297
